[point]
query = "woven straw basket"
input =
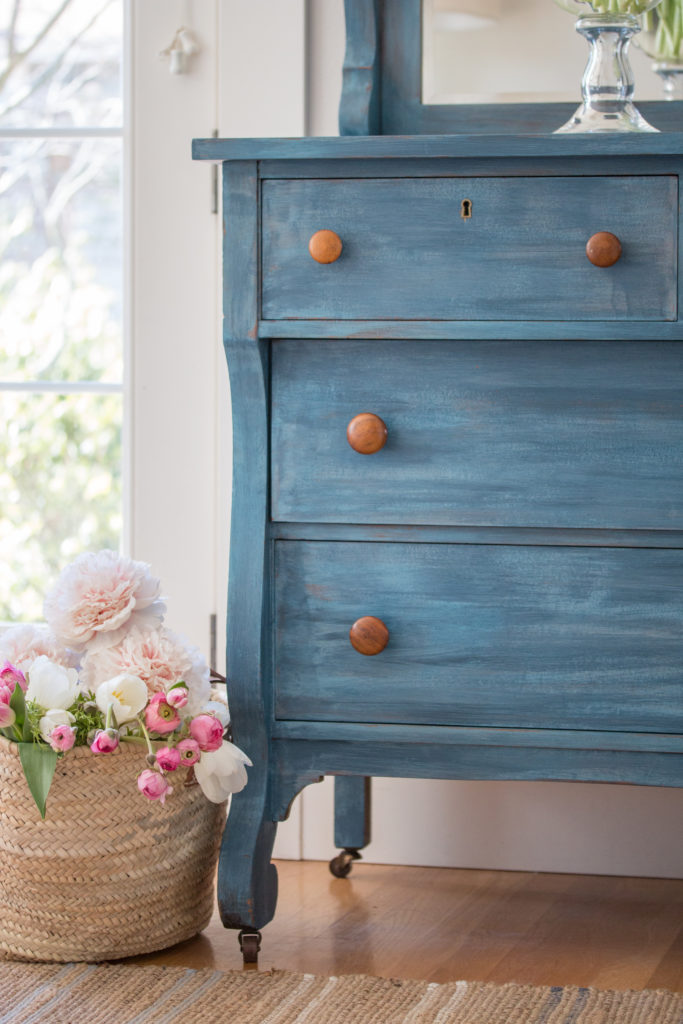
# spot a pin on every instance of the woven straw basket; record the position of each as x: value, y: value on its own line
x: 108, y: 874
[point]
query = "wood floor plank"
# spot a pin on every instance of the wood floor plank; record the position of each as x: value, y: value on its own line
x: 442, y: 924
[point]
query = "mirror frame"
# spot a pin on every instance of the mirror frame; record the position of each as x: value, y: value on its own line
x: 382, y: 85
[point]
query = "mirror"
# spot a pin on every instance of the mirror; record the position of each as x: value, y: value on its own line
x: 509, y: 51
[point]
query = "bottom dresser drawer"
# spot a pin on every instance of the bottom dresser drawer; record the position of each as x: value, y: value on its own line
x: 517, y: 637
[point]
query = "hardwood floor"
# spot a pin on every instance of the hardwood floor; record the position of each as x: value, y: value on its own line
x: 445, y: 924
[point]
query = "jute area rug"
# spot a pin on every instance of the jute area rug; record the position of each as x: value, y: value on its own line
x: 125, y: 994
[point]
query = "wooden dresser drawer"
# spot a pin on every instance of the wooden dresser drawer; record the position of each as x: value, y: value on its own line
x: 568, y: 434
x: 408, y: 253
x: 516, y: 637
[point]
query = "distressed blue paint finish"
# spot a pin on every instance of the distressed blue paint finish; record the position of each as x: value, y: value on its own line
x: 520, y: 534
x: 421, y: 330
x: 409, y: 253
x: 576, y: 434
x: 459, y: 736
x: 552, y: 638
x: 535, y: 537
x: 427, y: 760
x: 466, y: 167
x: 436, y: 147
x: 352, y: 808
x: 247, y: 881
x: 359, y: 109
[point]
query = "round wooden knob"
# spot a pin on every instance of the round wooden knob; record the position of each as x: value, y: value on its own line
x: 366, y: 433
x: 325, y: 246
x: 603, y: 249
x: 369, y: 635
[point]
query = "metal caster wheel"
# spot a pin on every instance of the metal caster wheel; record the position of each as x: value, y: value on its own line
x: 341, y: 865
x: 250, y: 944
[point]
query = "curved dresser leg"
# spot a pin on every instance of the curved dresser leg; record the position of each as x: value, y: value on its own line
x: 247, y: 881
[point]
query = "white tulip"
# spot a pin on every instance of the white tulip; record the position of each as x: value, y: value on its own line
x: 126, y: 693
x: 53, y: 718
x: 51, y: 685
x: 222, y: 772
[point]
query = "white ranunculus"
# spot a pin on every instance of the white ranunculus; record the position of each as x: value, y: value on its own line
x: 53, y: 718
x: 126, y: 693
x: 51, y: 685
x: 222, y: 772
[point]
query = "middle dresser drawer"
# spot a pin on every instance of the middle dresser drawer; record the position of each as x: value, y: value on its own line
x: 487, y: 433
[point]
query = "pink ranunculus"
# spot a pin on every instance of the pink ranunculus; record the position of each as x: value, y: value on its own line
x: 153, y: 785
x: 99, y: 597
x: 106, y: 740
x: 6, y: 694
x: 159, y: 657
x: 207, y: 731
x: 168, y: 758
x: 177, y: 697
x: 160, y: 716
x: 11, y: 677
x: 7, y: 716
x: 189, y: 752
x: 62, y: 737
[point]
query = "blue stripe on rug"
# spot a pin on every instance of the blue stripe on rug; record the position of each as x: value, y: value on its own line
x: 68, y: 969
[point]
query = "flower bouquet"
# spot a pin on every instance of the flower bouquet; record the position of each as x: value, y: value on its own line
x: 662, y: 39
x: 101, y: 694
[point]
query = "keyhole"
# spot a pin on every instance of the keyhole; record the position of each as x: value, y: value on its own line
x: 466, y: 209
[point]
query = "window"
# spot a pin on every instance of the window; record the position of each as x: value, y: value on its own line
x: 61, y: 290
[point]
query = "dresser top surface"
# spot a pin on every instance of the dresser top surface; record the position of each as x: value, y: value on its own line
x: 440, y: 146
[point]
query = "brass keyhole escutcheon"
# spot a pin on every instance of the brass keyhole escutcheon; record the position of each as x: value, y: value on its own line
x: 466, y: 209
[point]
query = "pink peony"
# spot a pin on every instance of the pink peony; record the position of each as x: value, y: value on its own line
x: 7, y: 716
x: 168, y: 759
x: 153, y: 785
x: 207, y: 731
x: 21, y: 645
x: 160, y: 716
x: 106, y: 740
x: 62, y: 737
x: 189, y: 752
x: 11, y: 677
x: 160, y: 658
x: 99, y: 597
x: 177, y: 697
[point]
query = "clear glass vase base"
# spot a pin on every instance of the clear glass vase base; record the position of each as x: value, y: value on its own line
x: 625, y: 119
x: 607, y: 86
x: 671, y: 75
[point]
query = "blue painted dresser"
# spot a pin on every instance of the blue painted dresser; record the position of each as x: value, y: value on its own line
x: 511, y: 549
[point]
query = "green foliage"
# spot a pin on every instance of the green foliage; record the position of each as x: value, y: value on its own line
x: 39, y: 763
x: 88, y: 718
x: 34, y: 713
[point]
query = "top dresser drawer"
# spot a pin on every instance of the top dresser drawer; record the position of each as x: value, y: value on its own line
x: 409, y: 254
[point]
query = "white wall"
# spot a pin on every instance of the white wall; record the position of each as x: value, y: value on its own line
x: 252, y: 78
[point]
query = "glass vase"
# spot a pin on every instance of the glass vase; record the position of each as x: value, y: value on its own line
x: 662, y: 40
x: 607, y: 85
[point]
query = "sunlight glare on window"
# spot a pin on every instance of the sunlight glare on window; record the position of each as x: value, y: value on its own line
x: 61, y: 290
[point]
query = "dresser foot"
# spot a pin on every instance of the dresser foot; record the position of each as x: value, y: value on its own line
x: 250, y: 945
x: 341, y: 865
